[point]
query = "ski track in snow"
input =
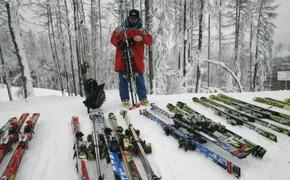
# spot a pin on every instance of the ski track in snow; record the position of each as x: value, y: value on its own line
x: 50, y: 152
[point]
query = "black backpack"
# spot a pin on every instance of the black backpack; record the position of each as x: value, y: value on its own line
x: 95, y: 94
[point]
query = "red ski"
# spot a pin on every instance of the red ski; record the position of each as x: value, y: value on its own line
x: 12, y: 136
x: 80, y: 149
x: 13, y: 165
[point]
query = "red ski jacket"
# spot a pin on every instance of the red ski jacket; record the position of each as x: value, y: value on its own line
x: 137, y: 48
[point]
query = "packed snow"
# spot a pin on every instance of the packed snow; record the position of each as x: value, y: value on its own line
x: 50, y: 152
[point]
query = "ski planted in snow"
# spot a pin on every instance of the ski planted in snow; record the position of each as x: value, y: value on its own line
x: 97, y: 148
x: 14, y: 163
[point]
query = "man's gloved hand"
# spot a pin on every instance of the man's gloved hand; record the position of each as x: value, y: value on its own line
x: 122, y: 44
x: 131, y: 41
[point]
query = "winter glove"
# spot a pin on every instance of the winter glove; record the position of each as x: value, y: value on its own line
x: 122, y: 44
x: 131, y: 41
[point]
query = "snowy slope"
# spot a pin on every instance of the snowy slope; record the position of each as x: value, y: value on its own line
x: 51, y: 150
x: 37, y: 91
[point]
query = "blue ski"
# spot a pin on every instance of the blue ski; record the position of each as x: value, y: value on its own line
x: 113, y: 149
x: 189, y: 142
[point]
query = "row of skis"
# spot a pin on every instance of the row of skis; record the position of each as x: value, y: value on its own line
x: 13, y: 135
x: 111, y: 145
x: 194, y: 131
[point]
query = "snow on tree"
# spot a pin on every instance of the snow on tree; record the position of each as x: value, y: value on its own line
x: 14, y: 28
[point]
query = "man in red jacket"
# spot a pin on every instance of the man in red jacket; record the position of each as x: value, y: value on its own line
x: 137, y: 37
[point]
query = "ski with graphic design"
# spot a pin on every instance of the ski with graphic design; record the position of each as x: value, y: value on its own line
x: 187, y: 142
x: 256, y: 111
x: 6, y: 126
x: 272, y: 102
x: 235, y: 120
x: 14, y: 163
x: 287, y: 101
x: 250, y: 117
x: 12, y: 136
x: 80, y: 150
x: 206, y: 129
x: 124, y: 143
x: 148, y: 169
x: 224, y: 138
x: 110, y: 143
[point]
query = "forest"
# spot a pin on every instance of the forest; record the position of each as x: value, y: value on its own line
x: 198, y: 45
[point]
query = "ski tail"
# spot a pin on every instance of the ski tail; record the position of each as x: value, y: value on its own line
x: 80, y: 149
x: 149, y: 171
x: 14, y: 163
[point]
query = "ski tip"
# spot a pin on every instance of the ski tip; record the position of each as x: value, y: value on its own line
x: 94, y: 111
x: 154, y: 177
x: 135, y: 106
x: 142, y: 111
x: 153, y: 104
x: 35, y: 114
x: 123, y: 112
x: 170, y: 106
x: 25, y: 113
x: 75, y: 120
x: 111, y: 114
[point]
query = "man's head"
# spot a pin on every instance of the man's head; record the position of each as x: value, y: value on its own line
x: 133, y: 17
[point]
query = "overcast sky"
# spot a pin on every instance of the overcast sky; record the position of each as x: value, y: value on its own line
x: 282, y: 33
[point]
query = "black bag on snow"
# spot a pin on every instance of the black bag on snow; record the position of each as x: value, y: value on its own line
x: 95, y: 94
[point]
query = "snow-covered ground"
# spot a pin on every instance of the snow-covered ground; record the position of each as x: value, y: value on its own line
x: 37, y: 92
x: 50, y: 152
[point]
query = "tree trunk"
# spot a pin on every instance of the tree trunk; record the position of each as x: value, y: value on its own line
x: 53, y: 45
x: 5, y: 76
x: 141, y: 10
x: 184, y: 38
x: 200, y: 34
x: 191, y: 24
x: 237, y: 34
x: 220, y: 31
x: 179, y: 61
x: 100, y: 31
x: 257, y: 45
x: 208, y: 53
x: 61, y: 41
x: 251, y: 53
x: 84, y: 40
x: 148, y: 21
x: 77, y: 47
x: 70, y: 47
x: 94, y: 18
x: 19, y: 50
